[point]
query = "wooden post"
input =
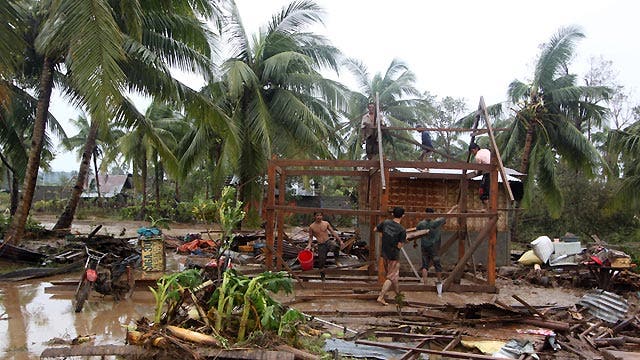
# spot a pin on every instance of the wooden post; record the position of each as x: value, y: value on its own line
x: 493, y: 233
x: 457, y: 271
x: 374, y: 201
x: 280, y: 219
x: 462, y: 208
x: 271, y: 203
x: 492, y: 139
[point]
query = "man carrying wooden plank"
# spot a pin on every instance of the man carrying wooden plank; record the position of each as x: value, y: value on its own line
x: 430, y: 244
x: 393, y: 237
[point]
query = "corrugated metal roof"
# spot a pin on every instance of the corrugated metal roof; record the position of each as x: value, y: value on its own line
x: 605, y: 305
x: 510, y: 173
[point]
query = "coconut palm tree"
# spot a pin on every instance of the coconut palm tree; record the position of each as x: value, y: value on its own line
x: 152, y: 136
x: 398, y: 97
x: 12, y: 46
x: 625, y: 144
x: 157, y: 36
x: 278, y: 101
x: 543, y: 131
x: 15, y: 134
x: 84, y: 37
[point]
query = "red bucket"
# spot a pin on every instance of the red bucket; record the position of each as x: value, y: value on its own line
x: 306, y: 259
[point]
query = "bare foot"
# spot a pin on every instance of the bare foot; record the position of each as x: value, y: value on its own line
x: 381, y: 301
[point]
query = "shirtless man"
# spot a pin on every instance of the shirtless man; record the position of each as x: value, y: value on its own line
x: 320, y: 229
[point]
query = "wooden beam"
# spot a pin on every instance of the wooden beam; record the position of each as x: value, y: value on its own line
x: 445, y: 354
x: 320, y: 172
x: 382, y: 212
x: 376, y: 164
x: 481, y: 131
x: 383, y: 183
x: 493, y: 232
x: 459, y: 268
x: 271, y: 218
x: 492, y: 138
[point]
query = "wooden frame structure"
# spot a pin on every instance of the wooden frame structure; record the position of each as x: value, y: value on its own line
x: 374, y: 203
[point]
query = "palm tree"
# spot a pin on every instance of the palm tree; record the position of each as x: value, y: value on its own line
x: 278, y: 102
x: 543, y: 131
x: 397, y: 98
x: 157, y: 36
x: 15, y: 135
x: 12, y: 46
x: 84, y: 37
x: 152, y: 136
x: 625, y: 144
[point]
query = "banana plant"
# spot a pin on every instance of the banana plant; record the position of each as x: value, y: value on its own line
x: 170, y: 288
x: 267, y: 311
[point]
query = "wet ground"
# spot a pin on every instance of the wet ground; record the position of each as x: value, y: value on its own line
x: 31, y: 317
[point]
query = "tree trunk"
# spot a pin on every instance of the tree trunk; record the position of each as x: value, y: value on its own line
x: 16, y: 230
x: 15, y: 194
x: 95, y: 164
x: 176, y: 196
x: 526, y: 152
x: 66, y: 218
x: 157, y: 180
x: 143, y: 207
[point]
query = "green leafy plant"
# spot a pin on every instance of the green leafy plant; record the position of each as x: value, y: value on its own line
x: 229, y: 214
x: 170, y: 288
x: 258, y: 310
x: 159, y: 222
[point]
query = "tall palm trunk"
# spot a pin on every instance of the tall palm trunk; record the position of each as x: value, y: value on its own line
x: 526, y: 152
x: 15, y: 194
x: 143, y: 170
x: 16, y: 230
x: 159, y: 175
x: 95, y: 168
x: 66, y: 218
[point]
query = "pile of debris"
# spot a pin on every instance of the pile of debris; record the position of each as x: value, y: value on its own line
x: 565, y: 262
x: 601, y: 325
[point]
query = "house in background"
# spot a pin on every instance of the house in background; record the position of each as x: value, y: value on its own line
x: 110, y: 186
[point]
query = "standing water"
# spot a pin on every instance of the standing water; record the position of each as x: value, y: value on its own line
x: 32, y: 319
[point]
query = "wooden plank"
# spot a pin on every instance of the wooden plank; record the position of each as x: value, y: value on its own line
x: 374, y: 164
x: 493, y: 232
x: 97, y: 350
x: 372, y: 212
x: 453, y: 354
x: 271, y: 202
x: 492, y: 138
x: 320, y: 172
x: 280, y: 221
x: 481, y: 131
x: 529, y: 307
x: 459, y: 268
x: 383, y: 183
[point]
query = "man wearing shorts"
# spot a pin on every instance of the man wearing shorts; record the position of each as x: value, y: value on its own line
x: 430, y: 244
x: 393, y: 237
x: 320, y: 229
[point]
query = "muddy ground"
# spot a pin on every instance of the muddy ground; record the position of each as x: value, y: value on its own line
x: 35, y: 318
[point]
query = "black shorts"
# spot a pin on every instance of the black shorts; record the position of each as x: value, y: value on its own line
x: 429, y: 255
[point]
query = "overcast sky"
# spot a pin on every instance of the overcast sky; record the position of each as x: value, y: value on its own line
x: 456, y: 48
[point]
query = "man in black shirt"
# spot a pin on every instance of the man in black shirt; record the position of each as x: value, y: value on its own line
x: 393, y: 237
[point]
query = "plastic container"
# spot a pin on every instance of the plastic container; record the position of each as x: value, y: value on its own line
x: 543, y: 248
x: 305, y: 257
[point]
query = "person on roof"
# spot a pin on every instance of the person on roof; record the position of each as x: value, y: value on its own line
x: 482, y: 156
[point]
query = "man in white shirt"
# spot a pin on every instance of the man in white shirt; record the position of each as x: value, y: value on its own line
x: 482, y: 156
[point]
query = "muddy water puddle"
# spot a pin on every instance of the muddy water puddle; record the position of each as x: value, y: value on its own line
x: 32, y: 318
